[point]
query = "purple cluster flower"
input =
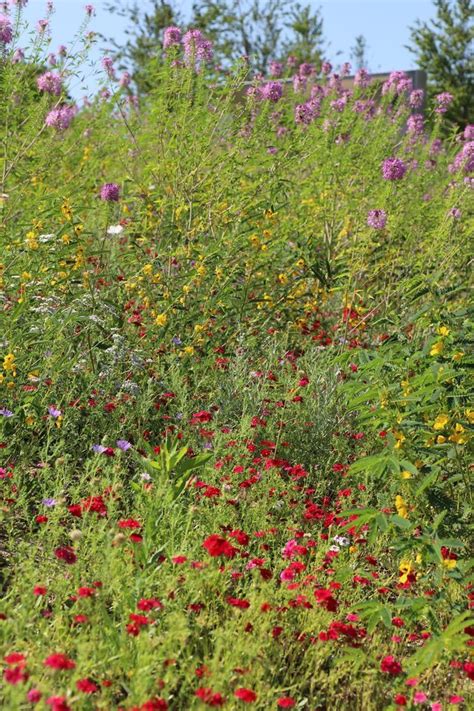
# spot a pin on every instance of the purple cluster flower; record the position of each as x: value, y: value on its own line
x: 455, y: 213
x: 110, y: 192
x: 443, y: 101
x: 272, y: 91
x: 307, y: 112
x: 6, y: 30
x: 123, y: 444
x: 42, y: 26
x: 416, y: 98
x: 393, y: 169
x: 377, y: 219
x: 171, y: 37
x: 196, y: 46
x: 362, y: 78
x: 61, y: 117
x: 397, y: 83
x: 90, y: 9
x: 415, y: 124
x: 305, y: 69
x: 108, y: 65
x: 326, y: 67
x: 468, y: 133
x: 50, y: 83
x: 464, y: 160
x: 18, y: 56
x: 276, y: 69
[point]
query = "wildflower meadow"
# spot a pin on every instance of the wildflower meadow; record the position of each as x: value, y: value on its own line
x: 235, y: 346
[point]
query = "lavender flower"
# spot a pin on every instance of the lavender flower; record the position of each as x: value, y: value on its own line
x: 54, y: 412
x: 464, y: 160
x: 90, y: 9
x: 6, y: 30
x: 123, y: 444
x: 272, y: 91
x: 50, y: 83
x: 443, y: 102
x: 196, y: 46
x: 99, y: 448
x: 416, y: 98
x: 42, y: 26
x: 455, y: 213
x: 415, y: 124
x: 61, y: 117
x: 393, y: 169
x: 276, y: 69
x: 171, y: 37
x: 49, y: 503
x: 362, y: 78
x: 6, y: 413
x: 18, y: 56
x: 110, y: 192
x: 108, y: 65
x: 468, y: 134
x: 377, y: 219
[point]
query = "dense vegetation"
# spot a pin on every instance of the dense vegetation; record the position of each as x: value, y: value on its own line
x: 234, y: 407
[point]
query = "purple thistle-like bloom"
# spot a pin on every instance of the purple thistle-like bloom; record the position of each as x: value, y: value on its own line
x: 196, y: 46
x: 61, y: 117
x: 468, y: 133
x: 49, y: 503
x: 415, y: 124
x: 18, y: 56
x: 393, y: 169
x: 123, y: 444
x: 42, y: 26
x: 455, y: 212
x: 54, y: 412
x: 443, y: 102
x: 6, y: 413
x: 110, y: 192
x: 50, y: 83
x: 307, y: 112
x: 6, y: 30
x: 108, y: 65
x: 272, y: 91
x: 377, y: 219
x: 171, y: 37
x: 416, y: 98
x: 362, y: 78
x: 276, y: 69
x: 465, y: 159
x: 99, y: 448
x: 326, y: 67
x: 305, y: 69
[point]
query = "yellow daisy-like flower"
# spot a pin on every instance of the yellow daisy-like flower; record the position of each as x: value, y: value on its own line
x: 441, y: 422
x: 405, y: 474
x: 401, y: 506
x: 161, y: 320
x: 437, y: 348
x: 444, y: 331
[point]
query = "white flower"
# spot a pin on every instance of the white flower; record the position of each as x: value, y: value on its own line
x: 115, y: 230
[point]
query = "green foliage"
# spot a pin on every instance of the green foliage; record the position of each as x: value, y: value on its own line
x: 444, y: 49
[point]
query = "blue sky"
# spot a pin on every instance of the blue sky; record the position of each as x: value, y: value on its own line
x: 384, y: 23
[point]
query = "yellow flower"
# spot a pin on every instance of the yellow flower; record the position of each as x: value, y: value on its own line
x: 444, y: 331
x: 441, y: 422
x: 406, y: 474
x: 161, y: 320
x: 437, y: 348
x: 9, y: 363
x: 458, y: 356
x: 449, y: 563
x: 440, y: 439
x: 470, y: 416
x: 406, y: 567
x: 401, y: 506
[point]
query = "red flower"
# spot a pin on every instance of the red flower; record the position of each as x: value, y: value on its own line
x: 400, y: 700
x: 129, y: 523
x: 154, y: 705
x: 209, y: 697
x: 86, y: 592
x: 59, y: 661
x: 218, y: 546
x: 151, y: 603
x: 201, y: 416
x: 86, y: 686
x: 66, y: 553
x: 326, y: 600
x: 58, y: 703
x: 389, y: 665
x: 15, y: 658
x: 236, y: 602
x: 286, y: 702
x: 15, y: 675
x: 246, y: 695
x: 468, y: 668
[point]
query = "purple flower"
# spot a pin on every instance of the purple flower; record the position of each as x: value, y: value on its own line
x: 469, y: 132
x: 443, y: 102
x: 171, y: 37
x: 305, y: 69
x: 49, y: 503
x: 50, y: 82
x: 125, y: 79
x: 42, y: 26
x: 276, y: 69
x: 362, y: 78
x: 54, y: 412
x: 110, y: 192
x: 196, y: 46
x: 6, y: 413
x: 272, y: 91
x: 107, y: 63
x: 99, y: 448
x: 307, y: 112
x: 123, y: 444
x: 6, y: 31
x: 393, y: 169
x: 455, y: 212
x: 415, y: 124
x: 377, y: 219
x: 89, y: 10
x: 61, y: 117
x: 18, y: 56
x: 416, y: 98
x: 326, y: 67
x: 465, y: 159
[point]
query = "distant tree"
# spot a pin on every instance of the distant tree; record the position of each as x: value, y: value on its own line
x: 262, y: 30
x: 306, y: 36
x: 444, y: 48
x: 359, y: 52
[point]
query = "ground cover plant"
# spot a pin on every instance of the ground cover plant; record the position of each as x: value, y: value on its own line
x: 234, y: 395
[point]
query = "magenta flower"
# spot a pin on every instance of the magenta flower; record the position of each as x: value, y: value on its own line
x: 50, y: 83
x: 61, y: 117
x: 272, y: 91
x: 276, y: 69
x: 443, y: 102
x: 54, y: 412
x: 110, y: 192
x: 6, y: 30
x: 196, y: 46
x: 393, y: 169
x: 377, y: 219
x: 171, y: 37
